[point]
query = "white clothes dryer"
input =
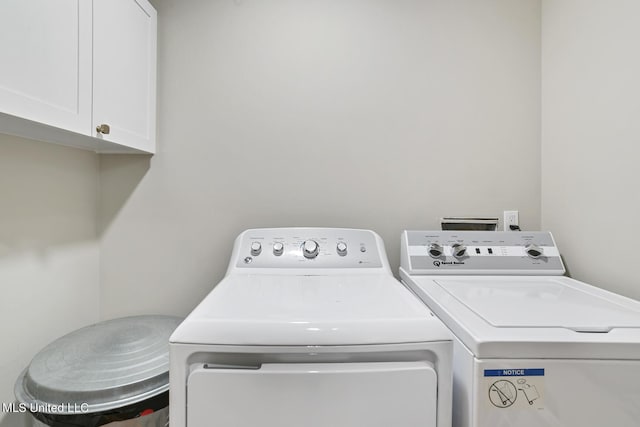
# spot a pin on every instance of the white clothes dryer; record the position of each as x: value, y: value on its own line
x: 310, y: 328
x: 532, y: 348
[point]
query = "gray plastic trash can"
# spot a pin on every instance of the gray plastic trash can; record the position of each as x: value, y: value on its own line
x: 112, y: 373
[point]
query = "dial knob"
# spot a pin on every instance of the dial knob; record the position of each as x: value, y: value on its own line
x: 278, y: 248
x: 435, y: 250
x: 256, y: 248
x: 459, y: 250
x: 534, y: 251
x: 341, y: 248
x: 310, y: 249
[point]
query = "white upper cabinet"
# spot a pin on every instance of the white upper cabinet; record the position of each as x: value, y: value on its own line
x: 69, y: 66
x: 124, y: 71
x: 45, y: 48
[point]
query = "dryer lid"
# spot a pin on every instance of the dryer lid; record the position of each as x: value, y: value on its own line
x: 310, y: 310
x: 515, y: 302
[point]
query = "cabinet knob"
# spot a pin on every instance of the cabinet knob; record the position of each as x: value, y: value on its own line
x: 103, y: 128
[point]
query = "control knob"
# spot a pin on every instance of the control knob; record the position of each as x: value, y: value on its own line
x: 534, y: 251
x: 278, y: 248
x: 435, y: 250
x: 341, y: 248
x: 256, y: 248
x: 459, y: 250
x: 310, y: 249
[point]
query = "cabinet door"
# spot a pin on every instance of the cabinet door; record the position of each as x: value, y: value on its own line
x: 45, y: 74
x: 124, y: 72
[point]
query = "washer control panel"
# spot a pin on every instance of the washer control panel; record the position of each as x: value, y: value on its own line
x: 309, y: 248
x: 480, y: 252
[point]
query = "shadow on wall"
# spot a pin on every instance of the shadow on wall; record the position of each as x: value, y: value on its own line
x: 120, y: 175
x: 50, y: 196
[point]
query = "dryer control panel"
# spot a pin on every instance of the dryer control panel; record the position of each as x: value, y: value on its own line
x: 308, y: 248
x: 480, y: 253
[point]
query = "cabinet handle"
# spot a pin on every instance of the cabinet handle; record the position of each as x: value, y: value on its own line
x: 103, y: 128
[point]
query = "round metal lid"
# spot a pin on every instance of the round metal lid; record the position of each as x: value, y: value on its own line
x: 100, y: 367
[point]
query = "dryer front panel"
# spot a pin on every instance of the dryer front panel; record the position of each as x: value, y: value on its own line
x: 379, y: 394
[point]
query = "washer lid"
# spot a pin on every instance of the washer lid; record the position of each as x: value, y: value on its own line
x: 105, y: 366
x: 532, y: 316
x: 310, y: 310
x: 541, y: 303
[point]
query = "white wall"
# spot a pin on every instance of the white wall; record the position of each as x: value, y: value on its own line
x: 591, y: 138
x: 382, y: 114
x: 48, y: 250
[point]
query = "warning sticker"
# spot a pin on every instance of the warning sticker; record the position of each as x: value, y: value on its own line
x: 515, y: 388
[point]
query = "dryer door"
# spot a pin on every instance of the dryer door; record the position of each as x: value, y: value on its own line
x: 380, y: 394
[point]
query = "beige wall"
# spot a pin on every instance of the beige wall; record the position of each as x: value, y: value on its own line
x: 373, y: 114
x: 48, y: 251
x: 591, y: 138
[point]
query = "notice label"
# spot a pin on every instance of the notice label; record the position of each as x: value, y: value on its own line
x: 521, y: 388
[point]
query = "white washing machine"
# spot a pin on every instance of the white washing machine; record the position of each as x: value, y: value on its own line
x: 532, y: 348
x: 309, y: 328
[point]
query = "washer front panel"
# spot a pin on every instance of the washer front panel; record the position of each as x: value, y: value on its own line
x: 551, y: 393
